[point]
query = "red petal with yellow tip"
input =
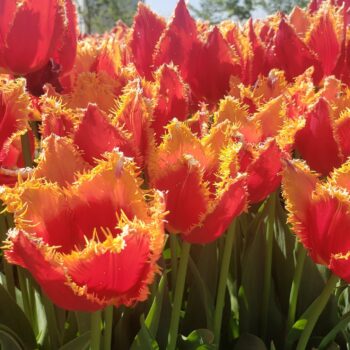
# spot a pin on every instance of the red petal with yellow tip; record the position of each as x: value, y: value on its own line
x: 340, y: 265
x: 60, y: 161
x: 42, y: 209
x: 296, y: 176
x: 118, y: 274
x: 95, y: 136
x: 35, y: 257
x: 264, y: 172
x: 147, y: 30
x: 231, y: 203
x: 316, y: 142
x: 325, y: 41
x: 134, y: 115
x: 326, y: 224
x: 292, y: 55
x: 178, y: 38
x: 172, y: 100
x: 186, y: 195
x: 59, y: 124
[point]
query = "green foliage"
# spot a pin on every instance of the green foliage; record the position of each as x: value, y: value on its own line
x: 101, y: 15
x: 215, y: 11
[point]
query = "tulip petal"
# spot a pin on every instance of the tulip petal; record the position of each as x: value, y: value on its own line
x: 296, y: 176
x: 230, y: 203
x: 187, y: 194
x: 95, y: 136
x: 211, y: 85
x: 119, y: 271
x: 172, y: 100
x: 326, y: 224
x: 316, y: 142
x: 36, y: 257
x: 33, y: 35
x: 292, y: 55
x: 178, y: 38
x: 147, y: 30
x: 324, y: 40
x: 264, y: 172
x: 60, y: 161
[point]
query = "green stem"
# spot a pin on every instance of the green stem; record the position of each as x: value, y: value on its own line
x: 173, y: 250
x: 25, y: 295
x: 268, y: 263
x: 8, y: 269
x: 203, y: 290
x: 108, y: 318
x: 52, y: 325
x: 95, y: 330
x: 179, y: 289
x: 320, y: 304
x: 27, y: 156
x: 225, y: 266
x: 293, y: 297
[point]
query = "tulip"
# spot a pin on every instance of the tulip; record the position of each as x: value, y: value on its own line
x: 319, y: 213
x: 34, y: 31
x: 92, y: 244
x: 202, y: 196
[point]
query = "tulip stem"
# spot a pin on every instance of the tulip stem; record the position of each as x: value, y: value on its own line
x: 179, y: 289
x: 225, y: 266
x: 108, y: 318
x: 95, y: 330
x: 293, y: 297
x: 268, y: 263
x: 173, y: 251
x: 318, y: 306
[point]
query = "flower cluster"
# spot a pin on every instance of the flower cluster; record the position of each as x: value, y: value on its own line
x: 173, y: 127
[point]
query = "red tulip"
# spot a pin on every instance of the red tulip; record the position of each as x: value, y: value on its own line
x: 202, y: 196
x: 319, y: 213
x: 33, y: 31
x: 91, y: 244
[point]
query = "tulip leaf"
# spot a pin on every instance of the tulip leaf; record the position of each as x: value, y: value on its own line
x: 144, y: 339
x: 249, y: 342
x: 198, y: 339
x: 81, y: 343
x: 153, y: 316
x: 9, y: 339
x: 12, y: 318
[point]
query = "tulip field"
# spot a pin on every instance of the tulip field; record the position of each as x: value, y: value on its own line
x: 174, y: 184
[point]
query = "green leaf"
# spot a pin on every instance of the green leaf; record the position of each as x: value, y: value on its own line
x: 198, y: 339
x: 9, y: 339
x: 81, y: 343
x: 153, y: 316
x: 249, y: 342
x: 13, y: 318
x: 300, y: 324
x: 144, y: 339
